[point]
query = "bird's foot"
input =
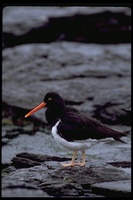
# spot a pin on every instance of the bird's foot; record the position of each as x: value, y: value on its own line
x: 73, y: 164
x: 67, y: 165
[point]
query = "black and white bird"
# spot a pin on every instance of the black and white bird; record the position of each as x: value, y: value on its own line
x: 73, y: 129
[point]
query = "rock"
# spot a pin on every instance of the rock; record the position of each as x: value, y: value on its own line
x: 113, y: 189
x: 24, y: 160
x: 5, y: 141
x: 45, y: 172
x: 98, y: 172
x: 44, y: 169
x: 23, y: 192
x: 94, y: 78
x: 21, y: 189
x: 123, y: 164
x: 49, y: 24
x: 11, y: 134
x: 59, y: 189
x: 42, y: 143
x: 8, y: 169
x: 77, y: 67
x: 56, y: 180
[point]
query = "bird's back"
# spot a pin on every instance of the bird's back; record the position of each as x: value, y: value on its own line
x: 77, y: 125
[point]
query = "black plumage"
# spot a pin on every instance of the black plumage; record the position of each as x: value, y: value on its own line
x: 73, y: 129
x: 75, y: 125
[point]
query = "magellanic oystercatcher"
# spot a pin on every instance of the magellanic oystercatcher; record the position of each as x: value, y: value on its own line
x: 71, y: 128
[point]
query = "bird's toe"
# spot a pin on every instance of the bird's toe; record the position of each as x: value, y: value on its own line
x: 73, y: 164
x: 68, y: 164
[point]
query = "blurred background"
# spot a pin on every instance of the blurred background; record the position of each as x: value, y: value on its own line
x: 84, y: 54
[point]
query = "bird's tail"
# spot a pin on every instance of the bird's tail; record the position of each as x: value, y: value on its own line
x: 120, y: 140
x: 117, y: 138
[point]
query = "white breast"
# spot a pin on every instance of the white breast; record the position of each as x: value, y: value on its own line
x: 76, y: 145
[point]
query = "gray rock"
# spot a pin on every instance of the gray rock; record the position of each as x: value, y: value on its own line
x: 93, y: 78
x: 5, y: 141
x: 98, y: 172
x: 72, y: 67
x: 53, y: 179
x: 21, y: 189
x: 45, y: 144
x: 24, y: 160
x: 58, y: 181
x: 113, y: 189
x: 46, y: 173
x: 37, y: 16
x: 23, y: 192
x: 48, y: 24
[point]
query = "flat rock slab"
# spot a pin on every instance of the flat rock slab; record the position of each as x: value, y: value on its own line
x: 35, y: 24
x: 23, y: 192
x: 58, y: 181
x: 14, y: 188
x: 113, y: 188
x: 45, y: 144
x: 94, y: 78
x: 102, y: 74
x: 15, y: 18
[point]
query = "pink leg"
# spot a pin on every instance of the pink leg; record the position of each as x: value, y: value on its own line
x: 72, y: 163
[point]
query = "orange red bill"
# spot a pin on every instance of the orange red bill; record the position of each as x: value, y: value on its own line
x: 41, y: 105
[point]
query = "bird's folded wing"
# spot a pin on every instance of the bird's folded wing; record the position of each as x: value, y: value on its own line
x: 83, y: 127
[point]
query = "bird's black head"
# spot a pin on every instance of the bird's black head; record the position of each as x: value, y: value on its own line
x: 54, y: 101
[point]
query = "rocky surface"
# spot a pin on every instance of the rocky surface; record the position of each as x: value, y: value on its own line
x: 94, y: 78
x: 30, y: 71
x: 55, y: 180
x: 114, y: 188
x: 79, y: 24
x: 39, y: 165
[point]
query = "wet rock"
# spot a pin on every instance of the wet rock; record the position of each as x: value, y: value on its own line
x: 24, y: 160
x: 42, y: 143
x: 123, y: 164
x: 11, y: 134
x: 113, y: 189
x: 14, y: 116
x: 45, y: 172
x: 59, y: 189
x: 8, y: 169
x: 108, y: 24
x: 105, y: 114
x: 23, y: 192
x: 56, y: 180
x: 41, y: 158
x: 88, y: 175
x: 8, y: 133
x: 77, y: 67
x: 21, y: 189
x: 5, y: 141
x: 45, y: 169
x: 93, y: 78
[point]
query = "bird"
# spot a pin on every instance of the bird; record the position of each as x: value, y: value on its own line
x: 73, y: 129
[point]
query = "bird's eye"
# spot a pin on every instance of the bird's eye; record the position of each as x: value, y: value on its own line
x: 49, y: 98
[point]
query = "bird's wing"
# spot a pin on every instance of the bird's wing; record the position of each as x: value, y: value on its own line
x: 75, y: 125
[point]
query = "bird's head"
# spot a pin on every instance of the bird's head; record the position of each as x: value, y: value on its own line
x: 52, y: 100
